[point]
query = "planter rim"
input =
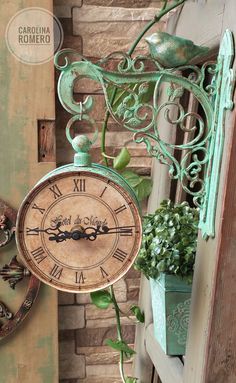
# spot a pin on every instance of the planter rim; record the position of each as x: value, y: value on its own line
x: 169, y: 282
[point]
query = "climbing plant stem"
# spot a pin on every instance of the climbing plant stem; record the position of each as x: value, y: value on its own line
x: 119, y: 332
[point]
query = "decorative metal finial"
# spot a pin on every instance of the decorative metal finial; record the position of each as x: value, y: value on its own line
x: 5, y: 312
x: 14, y: 272
x: 81, y: 143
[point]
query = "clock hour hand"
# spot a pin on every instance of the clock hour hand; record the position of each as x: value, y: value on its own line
x: 49, y: 231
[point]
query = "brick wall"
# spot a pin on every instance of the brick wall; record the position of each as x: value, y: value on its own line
x: 95, y: 28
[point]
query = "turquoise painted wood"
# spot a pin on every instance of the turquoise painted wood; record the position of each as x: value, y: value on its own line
x: 171, y: 297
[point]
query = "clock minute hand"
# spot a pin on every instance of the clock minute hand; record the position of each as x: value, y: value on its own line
x: 106, y: 230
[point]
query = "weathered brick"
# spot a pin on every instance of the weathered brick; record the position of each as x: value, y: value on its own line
x: 65, y: 298
x: 82, y: 298
x: 111, y: 370
x: 67, y: 26
x: 122, y: 3
x: 133, y: 295
x: 97, y: 336
x: 120, y: 290
x: 69, y: 380
x: 97, y: 379
x: 67, y: 347
x: 71, y: 366
x: 66, y: 335
x: 107, y: 29
x: 71, y: 317
x: 132, y: 273
x: 100, y: 355
x: 63, y: 8
x: 98, y: 323
x: 92, y: 312
x: 132, y: 283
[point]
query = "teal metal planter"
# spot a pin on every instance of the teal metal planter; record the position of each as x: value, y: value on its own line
x: 171, y: 297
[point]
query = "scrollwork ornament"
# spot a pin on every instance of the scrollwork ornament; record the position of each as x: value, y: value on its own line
x: 130, y: 77
x: 13, y: 273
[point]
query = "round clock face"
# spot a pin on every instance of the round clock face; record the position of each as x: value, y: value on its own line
x: 78, y: 231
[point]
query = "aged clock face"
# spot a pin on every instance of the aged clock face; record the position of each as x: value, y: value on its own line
x: 78, y: 231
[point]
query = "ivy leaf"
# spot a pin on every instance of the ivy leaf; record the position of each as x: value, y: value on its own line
x: 122, y: 160
x: 138, y: 313
x: 143, y: 189
x: 132, y: 178
x: 120, y: 346
x: 142, y: 186
x: 102, y: 299
x: 129, y: 379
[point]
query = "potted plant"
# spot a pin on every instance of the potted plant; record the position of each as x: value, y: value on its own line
x: 167, y: 258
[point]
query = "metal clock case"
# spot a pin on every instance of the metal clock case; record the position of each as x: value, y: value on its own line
x: 79, y: 229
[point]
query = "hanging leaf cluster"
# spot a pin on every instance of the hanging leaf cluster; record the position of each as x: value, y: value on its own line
x: 103, y: 299
x: 169, y: 241
x: 142, y: 186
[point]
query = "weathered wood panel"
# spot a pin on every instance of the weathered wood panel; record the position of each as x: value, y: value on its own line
x: 169, y: 369
x: 221, y: 351
x: 210, y: 353
x: 27, y: 95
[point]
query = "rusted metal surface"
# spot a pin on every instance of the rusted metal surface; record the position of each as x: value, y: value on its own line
x: 14, y: 272
x: 7, y: 223
x: 46, y: 141
x: 12, y: 323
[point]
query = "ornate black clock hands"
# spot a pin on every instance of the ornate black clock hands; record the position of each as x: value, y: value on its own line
x: 89, y: 233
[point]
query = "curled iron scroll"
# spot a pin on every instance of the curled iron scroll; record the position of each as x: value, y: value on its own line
x: 13, y: 273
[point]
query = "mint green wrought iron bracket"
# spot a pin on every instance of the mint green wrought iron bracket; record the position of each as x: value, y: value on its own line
x: 197, y: 167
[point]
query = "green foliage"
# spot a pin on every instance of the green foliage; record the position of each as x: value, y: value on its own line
x: 121, y: 345
x: 124, y: 102
x: 142, y: 186
x: 129, y: 379
x: 138, y: 313
x: 169, y: 241
x: 102, y: 299
x: 122, y: 160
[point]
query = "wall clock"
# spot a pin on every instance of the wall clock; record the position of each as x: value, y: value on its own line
x: 79, y: 228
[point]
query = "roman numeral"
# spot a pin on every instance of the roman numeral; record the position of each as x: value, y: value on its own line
x: 120, y: 255
x: 103, y: 272
x: 40, y: 209
x: 56, y: 191
x: 79, y: 185
x: 101, y: 195
x: 120, y: 209
x: 38, y: 254
x: 34, y: 231
x: 56, y: 271
x: 79, y: 278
